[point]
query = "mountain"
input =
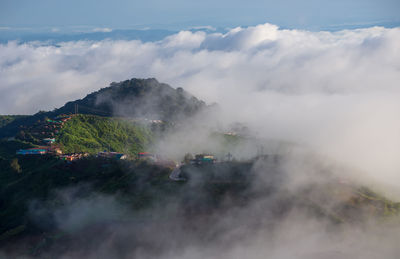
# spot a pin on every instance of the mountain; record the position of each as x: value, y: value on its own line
x: 7, y: 119
x: 135, y: 98
x: 52, y: 208
x: 59, y: 37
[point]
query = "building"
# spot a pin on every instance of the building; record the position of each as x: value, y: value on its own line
x: 32, y: 151
x: 112, y: 155
x: 203, y: 159
x: 54, y: 121
x: 147, y: 156
x: 49, y: 141
x: 230, y: 133
x: 68, y: 157
x: 74, y: 156
x: 54, y: 150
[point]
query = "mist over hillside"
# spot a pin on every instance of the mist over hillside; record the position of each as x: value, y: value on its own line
x: 140, y: 99
x: 282, y: 207
x: 305, y: 136
x: 265, y: 197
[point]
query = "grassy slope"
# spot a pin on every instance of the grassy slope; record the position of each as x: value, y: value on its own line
x: 89, y: 133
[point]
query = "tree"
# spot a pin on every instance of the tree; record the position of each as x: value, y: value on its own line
x: 15, y: 165
x: 187, y: 158
x: 21, y: 134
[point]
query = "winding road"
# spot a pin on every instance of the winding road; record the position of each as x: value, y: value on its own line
x: 175, y: 174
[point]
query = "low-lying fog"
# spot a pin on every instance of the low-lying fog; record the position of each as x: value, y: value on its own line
x: 331, y: 98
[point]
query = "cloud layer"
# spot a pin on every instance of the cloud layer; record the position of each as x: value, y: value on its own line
x: 254, y: 59
x: 336, y: 92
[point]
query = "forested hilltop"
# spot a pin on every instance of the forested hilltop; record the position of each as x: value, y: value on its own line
x: 135, y: 98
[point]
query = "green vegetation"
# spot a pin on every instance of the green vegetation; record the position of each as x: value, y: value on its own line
x: 135, y: 98
x: 30, y: 199
x: 389, y: 207
x: 15, y: 165
x: 6, y: 119
x: 89, y: 133
x: 42, y: 176
x: 136, y: 184
x: 32, y: 187
x: 12, y: 127
x: 229, y: 143
x: 9, y: 148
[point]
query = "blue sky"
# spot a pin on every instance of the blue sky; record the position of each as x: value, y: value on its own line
x: 180, y: 14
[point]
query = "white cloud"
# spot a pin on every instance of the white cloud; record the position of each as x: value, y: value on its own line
x: 102, y: 30
x: 204, y: 27
x: 241, y: 39
x: 335, y: 92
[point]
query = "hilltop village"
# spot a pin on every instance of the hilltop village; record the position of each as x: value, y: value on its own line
x: 90, y: 128
x: 44, y: 135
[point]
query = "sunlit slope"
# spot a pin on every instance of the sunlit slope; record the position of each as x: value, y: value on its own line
x: 90, y: 133
x: 134, y: 98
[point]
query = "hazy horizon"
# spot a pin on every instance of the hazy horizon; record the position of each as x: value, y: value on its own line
x: 314, y: 84
x: 180, y: 15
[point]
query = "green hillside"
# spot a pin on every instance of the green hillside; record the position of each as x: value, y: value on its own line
x: 8, y: 148
x: 49, y: 206
x: 90, y: 133
x: 7, y: 119
x: 145, y: 98
x: 134, y: 98
x: 36, y: 203
x: 41, y: 176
